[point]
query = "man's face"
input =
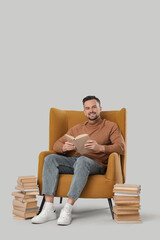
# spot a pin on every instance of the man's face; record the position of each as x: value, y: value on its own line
x: 92, y: 109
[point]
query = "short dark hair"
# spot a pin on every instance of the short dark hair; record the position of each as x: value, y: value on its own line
x: 90, y: 98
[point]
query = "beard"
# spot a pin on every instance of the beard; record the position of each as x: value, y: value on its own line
x: 95, y: 116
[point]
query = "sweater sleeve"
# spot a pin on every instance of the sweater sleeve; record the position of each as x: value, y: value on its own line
x: 117, y: 143
x: 58, y: 145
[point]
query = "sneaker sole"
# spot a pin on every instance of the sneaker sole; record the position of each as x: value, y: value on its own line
x: 44, y: 222
x: 64, y: 224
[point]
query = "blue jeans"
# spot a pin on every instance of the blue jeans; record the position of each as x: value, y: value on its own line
x: 80, y: 166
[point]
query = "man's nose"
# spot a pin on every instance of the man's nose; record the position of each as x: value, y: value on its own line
x: 91, y: 111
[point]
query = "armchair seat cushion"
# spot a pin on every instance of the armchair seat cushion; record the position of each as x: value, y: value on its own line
x: 98, y: 186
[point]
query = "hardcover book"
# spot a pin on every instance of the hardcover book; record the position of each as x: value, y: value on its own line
x: 79, y: 142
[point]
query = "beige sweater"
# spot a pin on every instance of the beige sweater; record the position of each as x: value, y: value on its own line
x: 105, y: 132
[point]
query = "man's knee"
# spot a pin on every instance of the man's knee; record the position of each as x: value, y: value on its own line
x: 82, y: 162
x: 50, y: 158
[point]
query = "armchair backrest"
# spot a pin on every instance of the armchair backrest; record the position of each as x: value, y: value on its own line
x: 62, y: 120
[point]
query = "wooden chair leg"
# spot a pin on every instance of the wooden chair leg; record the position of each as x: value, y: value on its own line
x: 61, y: 198
x: 111, y: 207
x: 41, y: 206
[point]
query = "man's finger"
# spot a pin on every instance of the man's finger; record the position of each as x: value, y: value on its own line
x: 69, y: 143
x: 89, y: 141
x: 88, y: 145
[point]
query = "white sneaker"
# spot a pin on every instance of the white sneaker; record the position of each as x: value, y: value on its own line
x: 65, y: 217
x: 45, y: 216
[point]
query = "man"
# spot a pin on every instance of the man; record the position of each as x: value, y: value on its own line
x: 105, y: 138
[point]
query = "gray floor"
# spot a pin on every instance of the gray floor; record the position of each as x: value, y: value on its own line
x: 91, y: 219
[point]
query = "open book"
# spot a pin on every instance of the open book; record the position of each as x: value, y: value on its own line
x: 79, y: 142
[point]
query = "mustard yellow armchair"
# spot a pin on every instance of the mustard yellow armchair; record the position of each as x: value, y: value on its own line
x: 98, y: 186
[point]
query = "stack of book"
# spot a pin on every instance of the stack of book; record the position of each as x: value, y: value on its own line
x: 127, y: 203
x: 25, y: 203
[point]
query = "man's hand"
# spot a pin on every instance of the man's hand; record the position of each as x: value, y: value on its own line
x: 68, y: 147
x: 93, y: 145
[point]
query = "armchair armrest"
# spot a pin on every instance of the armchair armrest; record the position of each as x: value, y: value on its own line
x: 42, y: 155
x: 114, y: 169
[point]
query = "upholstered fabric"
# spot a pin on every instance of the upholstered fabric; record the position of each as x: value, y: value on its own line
x: 98, y: 186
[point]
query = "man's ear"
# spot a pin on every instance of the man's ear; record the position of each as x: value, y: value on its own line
x: 100, y: 109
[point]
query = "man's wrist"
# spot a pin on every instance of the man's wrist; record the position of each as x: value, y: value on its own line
x: 102, y: 148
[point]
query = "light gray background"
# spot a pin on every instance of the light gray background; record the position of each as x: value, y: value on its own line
x: 54, y: 53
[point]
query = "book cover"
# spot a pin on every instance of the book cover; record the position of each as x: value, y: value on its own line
x: 25, y: 179
x: 127, y: 186
x: 23, y: 195
x: 28, y: 186
x: 26, y: 189
x: 35, y: 209
x: 127, y: 207
x: 24, y: 214
x: 127, y: 219
x: 24, y: 205
x: 130, y: 202
x: 125, y: 194
x: 24, y: 200
x: 79, y: 142
x: 121, y: 197
x: 125, y: 211
x: 31, y: 192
